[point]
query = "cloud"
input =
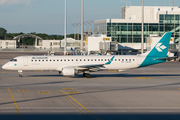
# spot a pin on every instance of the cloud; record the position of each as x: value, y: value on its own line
x: 27, y: 2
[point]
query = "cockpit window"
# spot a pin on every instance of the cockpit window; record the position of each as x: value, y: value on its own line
x: 13, y: 60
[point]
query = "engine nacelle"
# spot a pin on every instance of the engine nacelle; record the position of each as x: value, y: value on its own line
x: 69, y: 71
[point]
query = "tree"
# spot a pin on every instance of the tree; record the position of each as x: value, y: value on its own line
x: 2, y: 33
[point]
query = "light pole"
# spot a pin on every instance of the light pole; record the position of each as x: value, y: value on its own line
x: 172, y: 4
x: 78, y: 29
x: 65, y: 30
x: 74, y: 31
x: 82, y: 25
x: 85, y: 26
x: 142, y: 36
x: 89, y: 23
x: 92, y: 23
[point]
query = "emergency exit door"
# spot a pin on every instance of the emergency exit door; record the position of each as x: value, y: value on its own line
x: 139, y: 59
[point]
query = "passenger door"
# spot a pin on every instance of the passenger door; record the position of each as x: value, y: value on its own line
x: 25, y: 60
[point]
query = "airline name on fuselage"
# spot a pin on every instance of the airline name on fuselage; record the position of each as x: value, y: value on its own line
x: 39, y: 57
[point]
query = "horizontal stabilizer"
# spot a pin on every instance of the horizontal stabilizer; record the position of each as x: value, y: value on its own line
x: 167, y: 58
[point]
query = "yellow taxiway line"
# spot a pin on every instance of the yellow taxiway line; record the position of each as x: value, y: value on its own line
x: 80, y: 104
x: 143, y: 78
x: 71, y: 102
x: 15, y: 104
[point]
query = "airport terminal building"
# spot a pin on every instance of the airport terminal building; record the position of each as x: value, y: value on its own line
x: 127, y: 30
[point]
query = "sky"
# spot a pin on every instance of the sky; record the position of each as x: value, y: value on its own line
x: 47, y: 16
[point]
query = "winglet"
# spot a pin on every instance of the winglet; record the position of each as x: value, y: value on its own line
x: 109, y: 62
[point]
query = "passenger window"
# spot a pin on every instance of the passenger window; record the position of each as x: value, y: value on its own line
x: 61, y: 60
x: 119, y: 59
x: 133, y: 59
x: 95, y: 59
x: 54, y: 60
x: 50, y: 60
x: 32, y: 60
x: 105, y: 59
x: 129, y: 59
x: 88, y: 59
x: 64, y: 60
x: 43, y: 60
x: 98, y: 59
x: 122, y: 59
x: 126, y: 59
x: 84, y: 59
x: 72, y: 59
x: 115, y: 59
x: 101, y: 59
x: 76, y: 59
x: 91, y: 59
x: 68, y: 60
x: 39, y: 60
x: 57, y: 60
x: 80, y: 59
x: 46, y: 60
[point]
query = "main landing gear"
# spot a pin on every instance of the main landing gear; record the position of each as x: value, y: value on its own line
x: 86, y: 75
x: 20, y: 73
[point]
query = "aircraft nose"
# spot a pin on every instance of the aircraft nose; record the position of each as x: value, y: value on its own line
x: 4, y: 66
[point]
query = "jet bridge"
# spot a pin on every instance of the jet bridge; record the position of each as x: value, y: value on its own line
x: 100, y: 44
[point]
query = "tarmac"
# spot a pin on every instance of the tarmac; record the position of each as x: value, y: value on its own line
x: 147, y: 93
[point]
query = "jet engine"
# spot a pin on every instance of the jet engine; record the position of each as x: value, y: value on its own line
x: 69, y: 71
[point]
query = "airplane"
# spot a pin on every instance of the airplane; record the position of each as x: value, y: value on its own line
x: 72, y: 65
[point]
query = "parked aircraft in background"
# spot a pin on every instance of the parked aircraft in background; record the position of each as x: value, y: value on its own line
x: 72, y: 65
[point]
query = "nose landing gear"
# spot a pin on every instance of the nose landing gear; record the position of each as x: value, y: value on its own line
x: 20, y: 73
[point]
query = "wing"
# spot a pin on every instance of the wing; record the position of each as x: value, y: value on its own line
x: 91, y: 67
x: 96, y: 65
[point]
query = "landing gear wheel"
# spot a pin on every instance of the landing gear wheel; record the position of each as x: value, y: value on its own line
x: 88, y: 75
x: 20, y: 75
x: 84, y: 74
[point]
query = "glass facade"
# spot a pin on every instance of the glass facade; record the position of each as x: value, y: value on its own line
x: 101, y: 28
x: 131, y: 32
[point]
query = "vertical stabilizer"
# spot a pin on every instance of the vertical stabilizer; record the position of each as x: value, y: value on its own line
x: 159, y: 51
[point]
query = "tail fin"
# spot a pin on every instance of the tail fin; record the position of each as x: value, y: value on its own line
x: 161, y: 48
x: 159, y: 51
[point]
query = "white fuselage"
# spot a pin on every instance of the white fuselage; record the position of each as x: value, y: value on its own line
x: 123, y: 62
x: 72, y: 65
